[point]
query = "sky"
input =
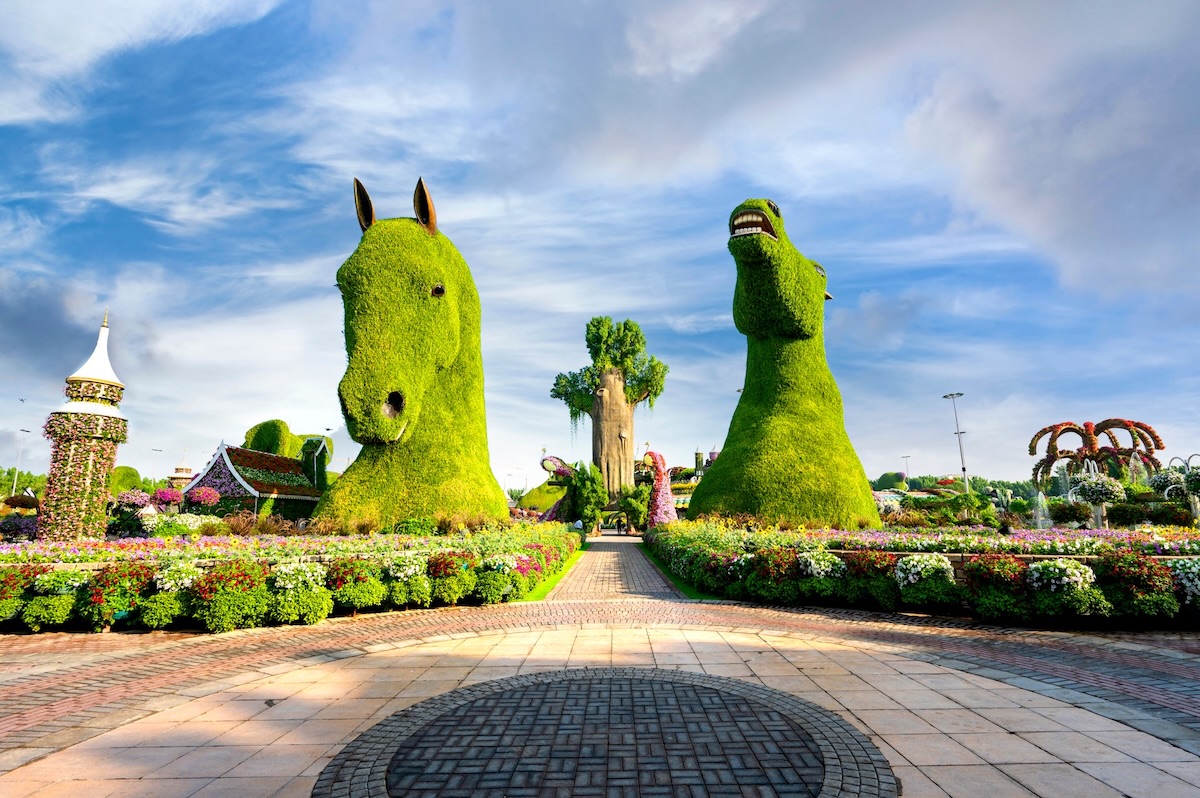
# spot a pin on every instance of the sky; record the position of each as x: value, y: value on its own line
x: 1004, y: 196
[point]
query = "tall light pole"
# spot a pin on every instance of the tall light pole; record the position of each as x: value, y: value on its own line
x: 17, y: 470
x: 958, y: 434
x: 905, y: 457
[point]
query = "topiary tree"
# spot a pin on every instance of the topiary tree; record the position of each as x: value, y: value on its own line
x: 890, y: 480
x: 620, y: 377
x: 124, y: 478
x: 275, y: 437
x: 787, y: 455
x: 412, y: 394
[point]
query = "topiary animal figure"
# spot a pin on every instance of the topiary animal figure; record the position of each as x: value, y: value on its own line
x: 412, y: 394
x: 787, y: 455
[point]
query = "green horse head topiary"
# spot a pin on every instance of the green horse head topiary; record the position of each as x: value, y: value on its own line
x: 787, y: 456
x: 412, y: 394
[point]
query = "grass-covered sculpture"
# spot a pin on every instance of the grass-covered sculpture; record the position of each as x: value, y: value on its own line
x: 787, y: 455
x: 412, y: 394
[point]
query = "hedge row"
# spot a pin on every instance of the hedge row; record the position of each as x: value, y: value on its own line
x: 247, y: 592
x: 1126, y: 585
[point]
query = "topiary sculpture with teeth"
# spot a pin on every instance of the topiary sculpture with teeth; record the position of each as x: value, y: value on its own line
x: 412, y: 394
x: 787, y: 456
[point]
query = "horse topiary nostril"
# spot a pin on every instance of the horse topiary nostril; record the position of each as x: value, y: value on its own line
x: 394, y: 405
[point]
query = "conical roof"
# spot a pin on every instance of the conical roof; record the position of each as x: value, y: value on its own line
x: 98, y: 368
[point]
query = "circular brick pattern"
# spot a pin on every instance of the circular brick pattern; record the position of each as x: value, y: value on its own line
x: 602, y: 731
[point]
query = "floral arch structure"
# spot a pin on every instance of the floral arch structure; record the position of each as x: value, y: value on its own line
x: 1143, y: 442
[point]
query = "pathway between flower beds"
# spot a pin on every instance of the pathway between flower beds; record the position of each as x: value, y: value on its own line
x: 955, y: 707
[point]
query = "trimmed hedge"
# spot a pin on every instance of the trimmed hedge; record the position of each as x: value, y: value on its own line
x: 773, y: 567
x: 247, y: 591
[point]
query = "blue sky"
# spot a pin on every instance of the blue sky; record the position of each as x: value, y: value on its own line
x: 1005, y: 197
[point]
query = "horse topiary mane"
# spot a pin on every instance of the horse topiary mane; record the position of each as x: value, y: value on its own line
x: 787, y: 456
x: 412, y: 394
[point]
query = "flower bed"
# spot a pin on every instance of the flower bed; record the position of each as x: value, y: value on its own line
x: 224, y: 583
x: 1045, y: 575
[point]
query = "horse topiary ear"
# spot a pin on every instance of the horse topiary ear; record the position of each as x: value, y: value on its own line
x: 362, y: 204
x: 423, y: 206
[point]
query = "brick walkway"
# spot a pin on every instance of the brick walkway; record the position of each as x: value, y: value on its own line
x: 614, y: 568
x: 957, y: 708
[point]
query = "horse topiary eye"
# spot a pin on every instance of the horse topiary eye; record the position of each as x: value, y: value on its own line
x: 774, y: 208
x: 438, y: 291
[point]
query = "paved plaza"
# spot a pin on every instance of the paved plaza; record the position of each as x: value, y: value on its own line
x: 954, y: 708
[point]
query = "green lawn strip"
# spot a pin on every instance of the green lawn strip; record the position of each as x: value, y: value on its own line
x: 680, y: 585
x: 545, y: 586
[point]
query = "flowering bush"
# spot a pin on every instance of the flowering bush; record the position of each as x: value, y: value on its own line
x: 773, y: 576
x: 203, y: 496
x: 921, y: 567
x: 451, y: 574
x: 927, y: 581
x: 1063, y: 587
x: 998, y: 586
x: 1137, y: 586
x: 1096, y: 488
x: 187, y: 522
x: 1191, y: 481
x: 1187, y: 578
x: 167, y: 497
x: 114, y: 591
x: 133, y: 498
x: 820, y: 565
x: 355, y: 583
x: 232, y: 595
x: 299, y: 593
x: 177, y: 576
x: 407, y: 580
x: 1163, y: 480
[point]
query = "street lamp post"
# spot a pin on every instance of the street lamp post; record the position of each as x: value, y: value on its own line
x: 958, y: 433
x: 905, y: 457
x: 17, y: 470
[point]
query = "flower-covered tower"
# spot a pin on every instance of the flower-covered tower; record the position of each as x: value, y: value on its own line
x: 83, y: 434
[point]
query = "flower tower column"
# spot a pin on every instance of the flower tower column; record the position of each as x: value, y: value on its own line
x: 83, y: 435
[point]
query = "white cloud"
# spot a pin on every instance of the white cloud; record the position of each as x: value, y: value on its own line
x: 44, y: 43
x: 179, y: 193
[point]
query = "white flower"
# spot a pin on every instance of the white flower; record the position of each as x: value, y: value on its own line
x: 176, y: 577
x: 299, y: 575
x: 1187, y: 573
x: 1061, y: 574
x: 917, y: 567
x: 403, y: 567
x: 820, y: 564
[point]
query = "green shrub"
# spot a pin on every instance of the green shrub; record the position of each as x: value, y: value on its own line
x: 356, y: 584
x: 232, y: 595
x: 1070, y: 512
x: 1171, y: 515
x: 870, y: 581
x: 10, y: 608
x: 492, y: 586
x: 308, y: 606
x: 1127, y: 514
x: 160, y: 610
x: 48, y: 611
x: 451, y: 589
x: 1064, y: 588
x: 998, y: 588
x: 1136, y: 585
x: 114, y: 592
x: 1020, y: 506
x: 634, y: 504
x: 822, y: 577
x: 774, y: 576
x: 926, y: 581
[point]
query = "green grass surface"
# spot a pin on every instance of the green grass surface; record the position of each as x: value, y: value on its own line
x: 680, y: 585
x: 543, y: 589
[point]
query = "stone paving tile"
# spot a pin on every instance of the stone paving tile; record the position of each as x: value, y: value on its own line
x: 1059, y: 781
x: 1138, y: 780
x: 972, y: 781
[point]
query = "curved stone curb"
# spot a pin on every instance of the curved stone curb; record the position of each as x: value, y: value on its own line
x: 852, y: 764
